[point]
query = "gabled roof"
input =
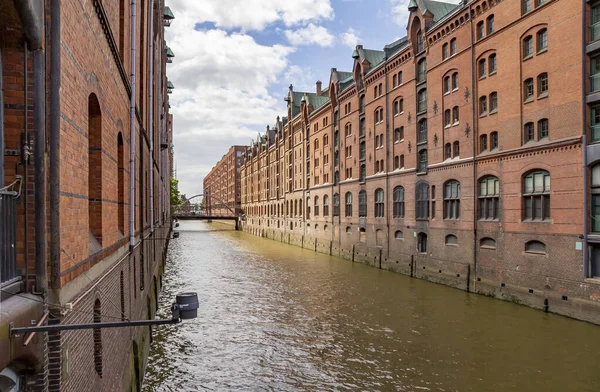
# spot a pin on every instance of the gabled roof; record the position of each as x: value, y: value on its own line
x: 374, y: 57
x: 395, y: 47
x: 317, y: 100
x: 439, y: 9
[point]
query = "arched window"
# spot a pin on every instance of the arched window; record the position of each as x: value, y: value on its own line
x: 542, y: 40
x: 348, y: 230
x: 483, y: 106
x: 526, y: 6
x: 492, y: 63
x: 421, y: 71
x: 316, y: 144
x: 420, y: 44
x: 543, y: 129
x: 447, y: 86
x: 445, y: 51
x: 422, y: 201
x: 455, y: 112
x: 398, y: 209
x: 422, y: 164
x: 379, y: 237
x: 527, y: 47
x: 490, y: 25
x: 394, y: 80
x: 535, y: 247
x: 336, y: 204
x: 398, y: 134
x: 422, y: 101
x: 482, y: 68
x: 422, y: 243
x: 452, y: 200
x: 379, y: 203
x: 493, y: 102
x: 97, y: 338
x: 447, y: 118
x: 542, y: 84
x: 362, y: 233
x: 536, y: 195
x: 326, y: 205
x: 455, y: 81
x: 348, y: 204
x: 422, y: 131
x: 489, y: 198
x: 399, y: 78
x: 95, y: 213
x: 456, y: 148
x: 452, y: 240
x: 402, y: 161
x: 121, y: 184
x: 307, y: 208
x: 361, y: 103
x: 122, y: 30
x: 363, y: 173
x: 362, y: 204
x: 316, y: 206
x: 348, y: 129
x: 487, y: 243
x: 398, y: 235
x: 493, y: 140
x: 528, y: 132
x: 447, y: 151
x: 452, y: 46
x: 480, y: 30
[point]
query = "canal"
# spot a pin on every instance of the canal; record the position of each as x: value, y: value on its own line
x: 275, y: 317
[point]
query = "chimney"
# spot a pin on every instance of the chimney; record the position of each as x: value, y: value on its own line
x: 319, y: 84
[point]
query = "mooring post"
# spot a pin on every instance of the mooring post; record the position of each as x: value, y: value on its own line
x: 315, y: 244
x: 303, y: 241
x: 353, y: 253
x: 546, y: 305
x: 237, y: 227
x: 468, y: 278
x: 380, y: 252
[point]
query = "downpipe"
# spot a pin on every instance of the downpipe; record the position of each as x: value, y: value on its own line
x: 132, y: 130
x: 54, y: 145
x: 151, y: 115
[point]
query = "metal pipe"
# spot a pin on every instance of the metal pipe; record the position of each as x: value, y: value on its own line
x: 586, y: 261
x: 70, y: 327
x: 387, y: 195
x: 151, y: 115
x: 132, y: 120
x: 55, y: 144
x: 1, y: 122
x: 25, y: 156
x: 474, y: 102
x: 39, y: 101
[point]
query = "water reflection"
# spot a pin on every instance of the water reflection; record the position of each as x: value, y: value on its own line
x: 275, y: 317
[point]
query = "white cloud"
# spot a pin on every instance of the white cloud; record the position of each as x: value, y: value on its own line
x: 400, y: 12
x: 310, y: 34
x: 221, y: 95
x: 350, y: 38
x: 302, y: 78
x: 253, y: 14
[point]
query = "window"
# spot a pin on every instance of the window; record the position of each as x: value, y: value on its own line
x: 348, y: 204
x: 402, y: 161
x: 455, y: 81
x: 595, y: 189
x: 380, y: 89
x: 420, y: 44
x: 316, y: 205
x: 363, y: 173
x: 456, y: 148
x: 492, y: 63
x: 97, y: 339
x: 595, y: 71
x: 445, y: 51
x: 493, y: 140
x: 452, y: 46
x: 482, y: 106
x: 375, y: 94
x: 595, y: 22
x: 422, y: 243
x: 528, y: 89
x: 447, y: 118
x: 422, y: 101
x: 95, y: 174
x: 482, y: 68
x: 455, y: 115
x: 452, y: 200
x: 595, y: 124
x: 542, y: 128
x: 398, y: 106
x: 422, y: 135
x: 483, y: 143
x: 527, y: 47
x: 447, y: 151
x: 336, y: 204
x: 542, y: 40
x: 446, y: 84
x: 362, y: 204
x: 363, y: 128
x: 307, y: 208
x: 394, y: 81
x: 398, y: 208
x: 398, y: 235
x: 422, y: 73
x: 348, y: 230
x: 493, y: 102
x: 480, y: 30
x: 526, y: 6
x: 487, y: 243
x: 121, y: 184
x: 363, y: 150
x: 489, y: 198
x: 348, y: 130
x: 490, y: 24
x: 451, y: 240
x: 422, y: 201
x: 326, y: 205
x: 535, y: 247
x: 536, y: 195
x: 528, y: 133
x: 422, y: 161
x: 399, y: 78
x: 396, y: 162
x: 379, y: 203
x: 542, y: 84
x: 361, y: 103
x: 399, y: 134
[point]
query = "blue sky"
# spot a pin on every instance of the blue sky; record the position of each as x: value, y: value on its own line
x: 234, y: 61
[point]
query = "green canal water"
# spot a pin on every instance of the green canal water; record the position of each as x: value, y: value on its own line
x: 275, y: 317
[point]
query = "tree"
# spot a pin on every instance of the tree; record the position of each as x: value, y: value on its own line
x: 175, y: 196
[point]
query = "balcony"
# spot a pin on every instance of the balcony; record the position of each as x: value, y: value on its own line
x: 10, y: 276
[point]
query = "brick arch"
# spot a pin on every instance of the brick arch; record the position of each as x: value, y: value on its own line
x: 485, y: 54
x: 533, y: 29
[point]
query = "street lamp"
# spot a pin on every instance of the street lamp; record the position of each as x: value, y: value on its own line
x: 184, y: 308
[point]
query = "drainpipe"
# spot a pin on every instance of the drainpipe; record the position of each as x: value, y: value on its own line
x: 586, y: 260
x: 1, y: 122
x: 39, y: 111
x: 132, y: 121
x: 475, y: 102
x: 151, y: 115
x: 387, y: 158
x: 54, y: 145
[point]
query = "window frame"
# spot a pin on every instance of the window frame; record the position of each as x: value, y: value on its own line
x: 452, y: 200
x: 489, y: 202
x: 398, y: 208
x: 534, y: 196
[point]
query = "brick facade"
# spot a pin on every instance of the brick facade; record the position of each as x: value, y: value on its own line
x: 222, y: 193
x: 90, y: 263
x: 483, y: 96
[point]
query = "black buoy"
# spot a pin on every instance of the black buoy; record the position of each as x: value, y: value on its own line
x: 188, y: 305
x: 176, y: 224
x: 176, y: 234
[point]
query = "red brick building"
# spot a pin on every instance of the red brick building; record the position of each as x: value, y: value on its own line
x: 464, y: 153
x: 222, y: 193
x: 87, y: 129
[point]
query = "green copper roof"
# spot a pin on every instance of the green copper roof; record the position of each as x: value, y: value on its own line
x: 170, y: 85
x: 374, y: 57
x: 412, y: 5
x: 355, y: 54
x: 170, y: 52
x: 168, y: 13
x: 439, y: 9
x: 317, y: 100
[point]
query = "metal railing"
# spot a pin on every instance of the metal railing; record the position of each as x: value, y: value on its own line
x: 8, y: 239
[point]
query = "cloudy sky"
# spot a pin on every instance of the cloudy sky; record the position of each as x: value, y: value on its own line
x: 235, y: 59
